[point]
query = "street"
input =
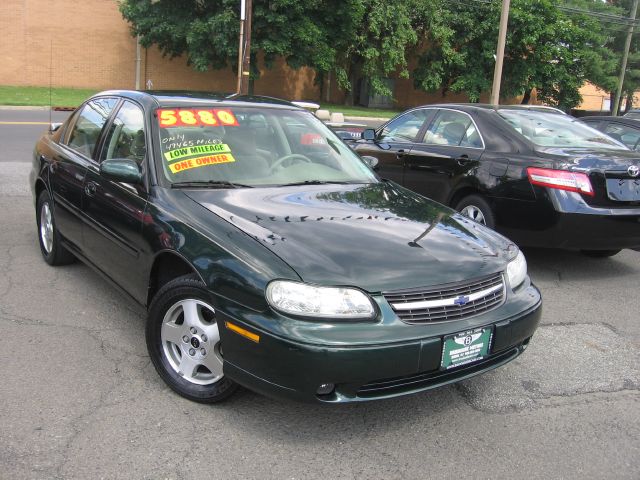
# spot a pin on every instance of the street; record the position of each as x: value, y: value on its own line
x: 81, y: 399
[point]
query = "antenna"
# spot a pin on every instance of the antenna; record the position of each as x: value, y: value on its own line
x: 50, y: 78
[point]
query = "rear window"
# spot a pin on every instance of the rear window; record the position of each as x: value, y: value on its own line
x: 553, y: 130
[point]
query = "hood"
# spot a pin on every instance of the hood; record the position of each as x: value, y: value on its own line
x: 378, y: 237
x: 590, y: 159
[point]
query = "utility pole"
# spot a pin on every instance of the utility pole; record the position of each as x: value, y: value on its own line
x: 625, y: 56
x: 502, y: 38
x: 244, y: 49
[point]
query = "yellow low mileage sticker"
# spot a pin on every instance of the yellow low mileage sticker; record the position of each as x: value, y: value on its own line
x: 184, y: 152
x: 201, y: 162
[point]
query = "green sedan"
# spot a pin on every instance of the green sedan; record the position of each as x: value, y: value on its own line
x: 270, y: 255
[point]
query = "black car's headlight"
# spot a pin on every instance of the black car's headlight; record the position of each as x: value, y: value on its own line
x: 517, y: 270
x: 296, y: 298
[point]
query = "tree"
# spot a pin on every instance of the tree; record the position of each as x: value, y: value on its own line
x: 546, y: 49
x: 351, y: 37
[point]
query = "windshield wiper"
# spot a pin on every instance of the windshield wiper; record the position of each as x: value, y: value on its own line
x: 315, y: 182
x: 209, y: 184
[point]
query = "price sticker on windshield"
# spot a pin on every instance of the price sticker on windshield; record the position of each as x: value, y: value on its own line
x: 195, y: 117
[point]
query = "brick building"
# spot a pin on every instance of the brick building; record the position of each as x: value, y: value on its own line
x: 87, y: 44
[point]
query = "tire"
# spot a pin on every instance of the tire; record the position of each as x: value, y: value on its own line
x: 183, y: 341
x: 48, y: 236
x: 476, y: 208
x: 600, y: 253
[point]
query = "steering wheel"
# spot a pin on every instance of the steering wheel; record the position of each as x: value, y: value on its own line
x: 295, y: 157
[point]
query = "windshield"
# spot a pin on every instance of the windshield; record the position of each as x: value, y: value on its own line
x: 553, y: 130
x: 253, y: 147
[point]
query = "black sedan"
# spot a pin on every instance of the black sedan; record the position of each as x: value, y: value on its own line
x: 624, y: 130
x: 268, y: 254
x: 539, y: 177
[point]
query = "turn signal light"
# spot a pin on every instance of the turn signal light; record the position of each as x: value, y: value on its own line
x: 560, y: 179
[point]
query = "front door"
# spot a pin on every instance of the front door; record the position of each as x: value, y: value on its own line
x: 449, y: 149
x: 394, y: 142
x: 114, y: 210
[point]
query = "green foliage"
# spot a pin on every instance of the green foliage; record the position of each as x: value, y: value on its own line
x: 546, y: 50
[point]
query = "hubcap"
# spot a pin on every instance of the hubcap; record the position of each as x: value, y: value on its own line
x: 46, y: 227
x: 191, y: 341
x: 474, y: 213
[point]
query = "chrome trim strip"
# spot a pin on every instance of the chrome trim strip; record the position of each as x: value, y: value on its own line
x: 445, y: 302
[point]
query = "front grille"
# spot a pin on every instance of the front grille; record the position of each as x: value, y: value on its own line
x: 448, y: 302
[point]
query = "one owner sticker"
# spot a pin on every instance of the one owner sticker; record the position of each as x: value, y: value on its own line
x: 182, y: 165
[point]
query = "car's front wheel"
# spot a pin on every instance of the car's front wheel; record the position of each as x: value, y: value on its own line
x: 183, y: 340
x: 476, y: 208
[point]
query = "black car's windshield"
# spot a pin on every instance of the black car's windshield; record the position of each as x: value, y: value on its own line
x: 253, y: 147
x: 554, y: 130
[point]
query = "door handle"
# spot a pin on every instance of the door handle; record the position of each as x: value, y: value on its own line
x: 90, y: 189
x: 400, y: 153
x: 463, y: 159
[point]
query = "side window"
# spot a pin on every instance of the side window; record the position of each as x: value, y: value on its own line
x: 86, y: 131
x: 404, y: 128
x: 454, y: 129
x: 627, y: 135
x: 126, y: 138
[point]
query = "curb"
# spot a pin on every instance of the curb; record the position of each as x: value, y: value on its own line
x: 23, y: 107
x: 373, y: 119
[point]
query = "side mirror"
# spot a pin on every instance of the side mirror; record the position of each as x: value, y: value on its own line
x: 371, y: 161
x: 54, y: 126
x: 121, y: 170
x: 369, y: 134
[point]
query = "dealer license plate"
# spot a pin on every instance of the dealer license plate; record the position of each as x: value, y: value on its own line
x: 623, y: 190
x: 466, y: 347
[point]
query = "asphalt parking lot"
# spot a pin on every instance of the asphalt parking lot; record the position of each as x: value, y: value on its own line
x: 80, y: 398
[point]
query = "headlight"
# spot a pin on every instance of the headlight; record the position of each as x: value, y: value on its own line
x: 517, y: 270
x: 332, y: 302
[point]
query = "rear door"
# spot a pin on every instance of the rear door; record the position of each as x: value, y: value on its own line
x: 115, y: 210
x: 394, y: 142
x: 70, y: 162
x: 449, y: 148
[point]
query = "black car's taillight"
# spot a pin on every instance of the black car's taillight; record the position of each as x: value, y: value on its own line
x: 560, y: 179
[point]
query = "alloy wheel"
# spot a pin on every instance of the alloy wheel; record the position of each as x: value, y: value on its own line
x: 46, y: 227
x: 191, y: 341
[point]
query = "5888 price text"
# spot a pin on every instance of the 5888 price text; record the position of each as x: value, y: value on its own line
x: 192, y: 117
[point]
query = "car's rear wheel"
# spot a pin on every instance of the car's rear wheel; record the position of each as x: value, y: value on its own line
x: 600, y: 253
x: 477, y: 209
x: 183, y: 340
x: 48, y: 237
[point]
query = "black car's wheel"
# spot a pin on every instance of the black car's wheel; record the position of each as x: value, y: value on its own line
x: 48, y: 237
x: 476, y: 208
x: 184, y: 341
x: 600, y: 253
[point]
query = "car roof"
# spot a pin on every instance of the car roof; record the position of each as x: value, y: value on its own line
x: 183, y: 98
x: 486, y: 106
x: 634, y: 122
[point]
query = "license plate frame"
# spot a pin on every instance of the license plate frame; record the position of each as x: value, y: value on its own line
x: 623, y: 189
x: 466, y: 347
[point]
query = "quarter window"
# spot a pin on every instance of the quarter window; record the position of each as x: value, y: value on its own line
x: 89, y: 123
x: 404, y: 128
x: 126, y: 138
x: 454, y: 129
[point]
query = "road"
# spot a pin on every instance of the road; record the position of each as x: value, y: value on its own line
x: 80, y: 399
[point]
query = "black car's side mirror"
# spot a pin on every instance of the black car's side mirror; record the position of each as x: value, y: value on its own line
x: 369, y: 134
x: 121, y: 170
x: 371, y: 161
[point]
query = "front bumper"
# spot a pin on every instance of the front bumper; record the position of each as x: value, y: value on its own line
x: 282, y: 367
